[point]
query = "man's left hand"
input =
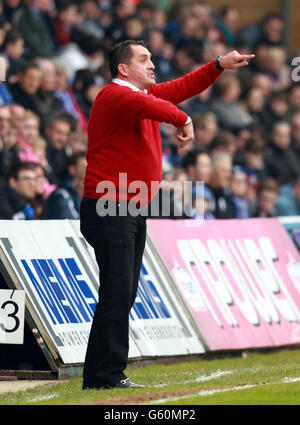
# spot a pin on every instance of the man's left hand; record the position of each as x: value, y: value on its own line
x: 234, y: 60
x: 185, y: 135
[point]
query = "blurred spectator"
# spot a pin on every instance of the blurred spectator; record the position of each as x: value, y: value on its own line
x: 221, y: 204
x: 25, y: 89
x: 255, y: 102
x: 91, y: 24
x: 17, y: 194
x: 57, y: 133
x: 280, y: 160
x: 268, y: 31
x: 34, y: 21
x: 64, y: 202
x: 27, y: 137
x: 64, y: 93
x: 39, y: 201
x: 10, y: 7
x: 276, y: 109
x: 13, y: 50
x: 66, y: 18
x: 229, y: 112
x: 201, y: 203
x: 46, y: 101
x: 205, y: 128
x: 267, y: 198
x: 238, y: 188
x: 90, y: 88
x: 197, y: 164
x: 224, y: 142
x: 5, y: 120
x: 295, y: 128
x: 228, y: 24
x: 288, y: 202
x: 294, y: 99
x: 9, y: 152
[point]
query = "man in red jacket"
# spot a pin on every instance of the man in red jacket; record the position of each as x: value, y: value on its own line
x: 125, y: 157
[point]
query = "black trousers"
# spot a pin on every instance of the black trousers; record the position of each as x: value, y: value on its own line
x: 119, y: 243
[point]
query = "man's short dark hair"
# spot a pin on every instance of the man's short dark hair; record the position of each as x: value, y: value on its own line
x: 74, y: 158
x: 191, y: 157
x: 12, y: 36
x: 122, y: 53
x: 15, y: 170
x: 29, y: 65
x: 61, y: 116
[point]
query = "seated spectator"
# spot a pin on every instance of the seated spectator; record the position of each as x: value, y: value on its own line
x: 90, y: 88
x: 27, y: 137
x: 224, y: 142
x: 294, y: 100
x: 229, y: 113
x: 43, y: 191
x: 269, y: 31
x: 205, y: 128
x: 67, y: 17
x: 14, y: 49
x: 280, y: 161
x: 267, y: 196
x: 197, y: 165
x: 201, y: 203
x: 221, y: 205
x: 9, y: 154
x: 25, y: 89
x: 275, y: 110
x: 57, y: 134
x: 255, y: 102
x: 34, y: 23
x: 238, y: 188
x: 228, y: 24
x: 5, y: 120
x: 46, y: 101
x: 91, y: 23
x: 295, y: 129
x: 18, y: 193
x: 64, y: 202
x: 288, y: 202
x: 17, y: 113
x: 64, y: 92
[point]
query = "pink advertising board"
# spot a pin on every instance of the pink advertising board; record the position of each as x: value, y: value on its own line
x: 240, y: 279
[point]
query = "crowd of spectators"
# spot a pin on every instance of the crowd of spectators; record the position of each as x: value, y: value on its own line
x: 247, y: 126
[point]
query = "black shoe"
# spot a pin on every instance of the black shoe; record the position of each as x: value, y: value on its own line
x: 126, y: 383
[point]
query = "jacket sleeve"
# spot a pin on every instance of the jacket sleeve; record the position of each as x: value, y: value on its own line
x: 147, y: 106
x: 180, y: 89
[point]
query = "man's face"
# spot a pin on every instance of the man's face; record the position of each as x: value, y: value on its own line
x: 59, y: 134
x: 25, y: 184
x: 282, y: 135
x: 222, y: 175
x: 203, y: 168
x: 139, y: 71
x: 31, y: 80
x: 267, y: 200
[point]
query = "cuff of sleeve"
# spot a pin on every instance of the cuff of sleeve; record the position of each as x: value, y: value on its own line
x: 189, y: 119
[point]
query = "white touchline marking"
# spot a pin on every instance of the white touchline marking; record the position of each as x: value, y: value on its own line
x: 201, y: 378
x: 287, y: 380
x: 221, y: 390
x: 42, y: 397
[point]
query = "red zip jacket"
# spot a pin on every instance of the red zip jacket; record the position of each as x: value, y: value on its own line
x: 124, y: 134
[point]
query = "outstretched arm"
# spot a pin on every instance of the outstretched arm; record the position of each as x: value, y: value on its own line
x: 180, y: 89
